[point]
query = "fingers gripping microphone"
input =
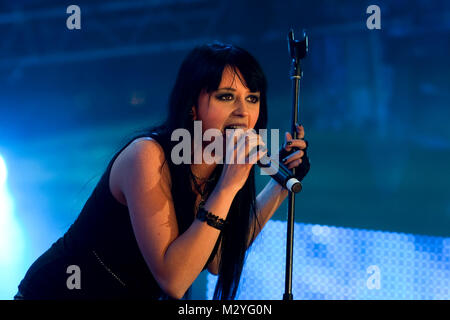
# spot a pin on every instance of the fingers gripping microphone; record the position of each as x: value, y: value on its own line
x: 278, y: 171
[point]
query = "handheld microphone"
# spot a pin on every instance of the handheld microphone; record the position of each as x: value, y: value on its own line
x: 280, y: 173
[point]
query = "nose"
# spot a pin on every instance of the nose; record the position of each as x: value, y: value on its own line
x: 241, y: 108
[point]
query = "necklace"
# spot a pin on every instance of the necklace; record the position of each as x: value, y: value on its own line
x: 208, y: 180
x: 197, y: 186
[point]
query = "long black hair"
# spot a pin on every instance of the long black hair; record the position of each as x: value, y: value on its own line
x: 202, y: 70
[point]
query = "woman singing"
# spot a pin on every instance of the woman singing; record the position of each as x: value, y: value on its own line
x: 151, y: 226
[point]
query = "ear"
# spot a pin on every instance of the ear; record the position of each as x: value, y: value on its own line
x: 193, y: 113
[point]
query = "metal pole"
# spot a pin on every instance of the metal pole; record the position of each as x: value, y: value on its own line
x: 297, y: 50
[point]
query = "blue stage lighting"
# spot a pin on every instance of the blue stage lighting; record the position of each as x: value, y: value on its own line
x: 11, y: 240
x: 341, y: 263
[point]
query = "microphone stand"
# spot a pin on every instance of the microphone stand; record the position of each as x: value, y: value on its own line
x: 297, y: 51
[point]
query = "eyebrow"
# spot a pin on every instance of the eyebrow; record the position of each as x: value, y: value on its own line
x: 232, y: 89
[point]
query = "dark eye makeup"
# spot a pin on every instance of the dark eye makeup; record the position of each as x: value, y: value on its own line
x: 229, y: 96
x: 224, y: 96
x: 253, y: 98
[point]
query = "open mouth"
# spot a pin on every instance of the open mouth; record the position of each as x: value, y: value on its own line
x: 234, y: 127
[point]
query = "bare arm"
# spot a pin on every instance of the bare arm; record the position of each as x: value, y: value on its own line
x: 267, y: 202
x: 175, y: 260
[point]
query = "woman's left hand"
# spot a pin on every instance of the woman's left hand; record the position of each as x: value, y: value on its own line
x: 293, y: 154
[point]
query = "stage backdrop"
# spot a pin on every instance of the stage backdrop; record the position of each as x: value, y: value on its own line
x: 374, y: 103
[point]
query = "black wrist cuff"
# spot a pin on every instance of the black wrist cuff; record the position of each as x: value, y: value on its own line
x: 211, y: 219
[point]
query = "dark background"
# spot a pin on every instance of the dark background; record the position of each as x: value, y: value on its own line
x: 375, y: 103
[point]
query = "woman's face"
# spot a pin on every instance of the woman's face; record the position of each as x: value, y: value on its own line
x: 232, y: 104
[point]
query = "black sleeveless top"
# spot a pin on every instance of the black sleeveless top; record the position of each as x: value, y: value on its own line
x: 102, y: 244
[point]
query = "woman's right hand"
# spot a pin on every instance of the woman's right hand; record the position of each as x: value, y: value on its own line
x: 238, y: 160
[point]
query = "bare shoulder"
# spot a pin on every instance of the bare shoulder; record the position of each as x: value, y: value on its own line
x: 143, y: 153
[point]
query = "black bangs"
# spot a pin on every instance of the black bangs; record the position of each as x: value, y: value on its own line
x: 254, y: 80
x: 222, y: 56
